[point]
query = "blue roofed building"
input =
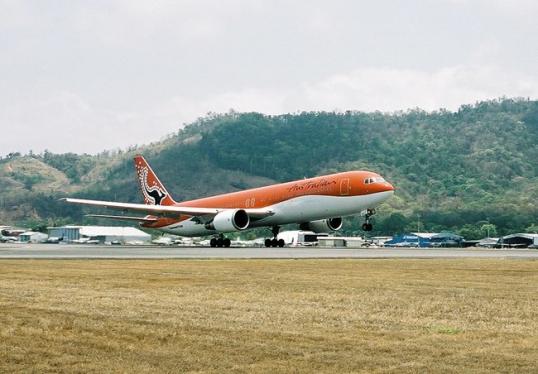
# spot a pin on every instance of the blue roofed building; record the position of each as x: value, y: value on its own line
x: 425, y: 240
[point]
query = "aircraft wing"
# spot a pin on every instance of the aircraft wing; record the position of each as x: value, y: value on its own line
x: 166, y: 210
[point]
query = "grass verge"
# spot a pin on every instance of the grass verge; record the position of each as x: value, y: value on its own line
x: 269, y: 315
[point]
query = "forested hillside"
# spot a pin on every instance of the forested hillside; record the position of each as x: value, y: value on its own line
x: 453, y: 170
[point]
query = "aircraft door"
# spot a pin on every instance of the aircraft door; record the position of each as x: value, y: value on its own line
x: 344, y: 186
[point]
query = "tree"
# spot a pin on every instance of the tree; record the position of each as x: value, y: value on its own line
x: 488, y: 229
x: 470, y: 232
x: 394, y: 224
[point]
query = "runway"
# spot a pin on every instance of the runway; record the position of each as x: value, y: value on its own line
x: 73, y: 251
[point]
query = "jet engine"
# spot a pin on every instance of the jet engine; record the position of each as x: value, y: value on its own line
x: 230, y: 220
x: 323, y: 225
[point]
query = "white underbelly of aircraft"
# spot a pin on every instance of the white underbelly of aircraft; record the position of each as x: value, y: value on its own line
x: 296, y: 210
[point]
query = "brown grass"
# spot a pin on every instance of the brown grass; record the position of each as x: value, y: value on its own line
x: 269, y: 316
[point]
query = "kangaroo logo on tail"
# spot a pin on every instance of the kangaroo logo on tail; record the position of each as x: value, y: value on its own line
x: 154, y: 194
x: 151, y: 187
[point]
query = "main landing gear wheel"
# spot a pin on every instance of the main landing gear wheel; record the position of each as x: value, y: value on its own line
x: 367, y: 226
x: 220, y: 242
x: 275, y: 242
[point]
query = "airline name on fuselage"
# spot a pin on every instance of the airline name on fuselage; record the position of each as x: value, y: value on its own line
x: 322, y: 185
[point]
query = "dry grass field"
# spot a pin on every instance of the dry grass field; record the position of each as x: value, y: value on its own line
x: 338, y: 316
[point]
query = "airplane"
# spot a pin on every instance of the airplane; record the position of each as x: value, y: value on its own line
x: 316, y: 204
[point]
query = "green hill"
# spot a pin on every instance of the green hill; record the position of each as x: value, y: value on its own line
x: 452, y: 170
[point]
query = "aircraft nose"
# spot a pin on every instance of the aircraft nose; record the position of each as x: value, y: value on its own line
x: 389, y: 187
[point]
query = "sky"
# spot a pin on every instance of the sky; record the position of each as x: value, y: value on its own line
x: 87, y: 76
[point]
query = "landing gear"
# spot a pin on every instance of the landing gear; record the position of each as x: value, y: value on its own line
x: 220, y: 241
x: 275, y: 242
x: 367, y: 226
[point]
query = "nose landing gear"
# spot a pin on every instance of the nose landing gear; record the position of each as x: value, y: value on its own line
x: 274, y: 242
x: 367, y: 226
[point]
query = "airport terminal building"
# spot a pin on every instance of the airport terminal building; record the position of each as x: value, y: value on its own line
x: 102, y: 234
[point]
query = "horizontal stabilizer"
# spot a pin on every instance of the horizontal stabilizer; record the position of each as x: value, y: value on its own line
x: 123, y: 218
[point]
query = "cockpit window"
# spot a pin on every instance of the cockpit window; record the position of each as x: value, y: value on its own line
x: 374, y: 180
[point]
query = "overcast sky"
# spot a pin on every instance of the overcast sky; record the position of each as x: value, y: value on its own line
x: 84, y: 76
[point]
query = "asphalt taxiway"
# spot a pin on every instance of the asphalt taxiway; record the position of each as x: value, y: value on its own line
x: 88, y: 251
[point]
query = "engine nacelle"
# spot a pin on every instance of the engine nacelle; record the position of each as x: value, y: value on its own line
x: 323, y: 225
x: 230, y: 220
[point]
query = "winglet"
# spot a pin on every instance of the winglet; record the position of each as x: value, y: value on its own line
x: 152, y: 189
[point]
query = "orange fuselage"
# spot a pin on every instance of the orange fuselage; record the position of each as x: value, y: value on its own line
x: 351, y: 183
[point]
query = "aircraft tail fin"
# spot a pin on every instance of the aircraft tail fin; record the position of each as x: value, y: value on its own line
x: 152, y: 189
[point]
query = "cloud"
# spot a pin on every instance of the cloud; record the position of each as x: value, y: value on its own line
x: 363, y: 89
x: 367, y: 89
x: 63, y: 121
x: 87, y: 76
x: 183, y: 109
x: 69, y: 122
x: 132, y: 22
x: 389, y: 89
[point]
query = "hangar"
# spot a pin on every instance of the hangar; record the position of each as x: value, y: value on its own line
x: 101, y: 234
x: 425, y: 240
x: 519, y: 240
